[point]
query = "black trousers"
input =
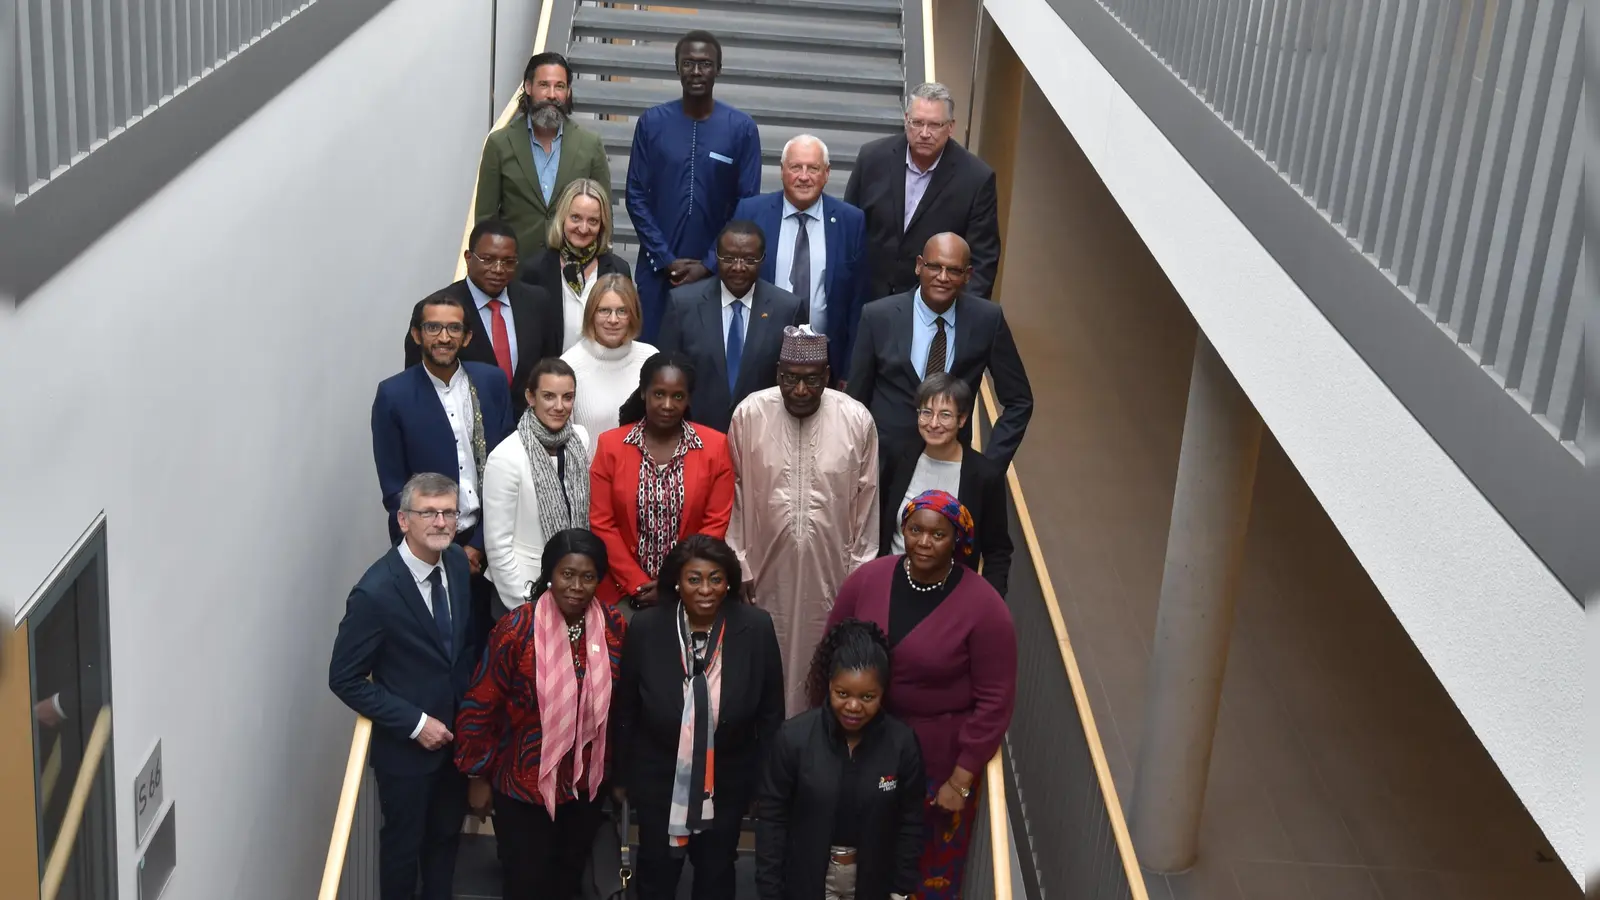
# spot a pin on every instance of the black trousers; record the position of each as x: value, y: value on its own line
x: 712, y: 854
x: 421, y: 831
x: 540, y: 858
x: 486, y: 606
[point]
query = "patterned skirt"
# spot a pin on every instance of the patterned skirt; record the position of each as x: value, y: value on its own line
x: 944, y: 856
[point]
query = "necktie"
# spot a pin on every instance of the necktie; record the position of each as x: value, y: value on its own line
x: 735, y: 343
x: 502, y: 339
x: 800, y: 272
x: 936, y: 350
x: 441, y: 607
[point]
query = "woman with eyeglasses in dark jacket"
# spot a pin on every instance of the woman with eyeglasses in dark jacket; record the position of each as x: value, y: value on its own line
x: 840, y: 803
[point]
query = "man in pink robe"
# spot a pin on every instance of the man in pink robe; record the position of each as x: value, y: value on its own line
x: 805, y: 509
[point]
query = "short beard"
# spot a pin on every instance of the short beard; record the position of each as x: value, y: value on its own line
x: 547, y: 114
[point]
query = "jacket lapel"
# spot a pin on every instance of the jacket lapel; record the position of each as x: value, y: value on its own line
x: 771, y: 224
x: 460, y: 609
x: 711, y: 327
x: 906, y: 320
x: 763, y: 329
x: 897, y: 181
x: 481, y: 349
x: 943, y: 171
x: 735, y: 661
x: 432, y: 411
x: 966, y: 335
x: 569, y: 165
x: 522, y: 147
x: 833, y: 236
x: 411, y: 597
x: 528, y: 327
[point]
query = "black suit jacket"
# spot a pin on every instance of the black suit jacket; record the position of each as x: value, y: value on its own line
x: 693, y: 326
x: 982, y: 492
x: 388, y: 633
x: 883, y: 378
x: 647, y: 707
x: 536, y: 315
x: 544, y: 271
x: 960, y: 198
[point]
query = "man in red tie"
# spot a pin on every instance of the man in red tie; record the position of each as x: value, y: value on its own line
x: 517, y: 324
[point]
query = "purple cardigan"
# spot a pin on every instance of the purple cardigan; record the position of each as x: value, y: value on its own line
x: 954, y: 676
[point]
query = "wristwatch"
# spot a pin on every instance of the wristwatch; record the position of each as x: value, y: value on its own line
x: 965, y: 792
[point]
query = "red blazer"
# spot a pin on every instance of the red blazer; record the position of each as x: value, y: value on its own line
x: 614, y: 502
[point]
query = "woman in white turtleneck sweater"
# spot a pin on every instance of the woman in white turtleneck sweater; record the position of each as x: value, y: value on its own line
x: 607, y: 359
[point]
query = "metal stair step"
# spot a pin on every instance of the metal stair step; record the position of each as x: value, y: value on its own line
x: 879, y: 10
x: 617, y: 136
x: 777, y: 32
x: 772, y: 106
x: 746, y: 65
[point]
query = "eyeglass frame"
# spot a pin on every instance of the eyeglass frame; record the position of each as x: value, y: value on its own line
x: 935, y: 269
x: 435, y: 515
x: 432, y: 329
x: 508, y: 265
x: 741, y: 262
x: 814, y: 382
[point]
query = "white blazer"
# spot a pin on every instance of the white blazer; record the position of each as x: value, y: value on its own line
x: 513, y: 536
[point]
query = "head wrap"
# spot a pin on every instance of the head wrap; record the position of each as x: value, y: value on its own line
x: 804, y: 347
x: 946, y: 505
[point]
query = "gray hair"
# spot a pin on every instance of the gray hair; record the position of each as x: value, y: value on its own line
x: 426, y: 484
x: 932, y: 90
x: 800, y: 138
x: 943, y: 384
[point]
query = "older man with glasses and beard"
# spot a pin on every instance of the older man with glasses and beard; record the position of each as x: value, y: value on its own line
x: 529, y: 163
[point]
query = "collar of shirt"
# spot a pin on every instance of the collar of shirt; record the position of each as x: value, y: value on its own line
x: 926, y: 316
x: 419, y: 569
x: 814, y: 210
x: 482, y: 299
x: 457, y: 378
x: 728, y: 297
x: 913, y: 166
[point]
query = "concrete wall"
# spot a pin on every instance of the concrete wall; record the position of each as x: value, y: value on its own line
x: 1497, y: 628
x: 204, y: 375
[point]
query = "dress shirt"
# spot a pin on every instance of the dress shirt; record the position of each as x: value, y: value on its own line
x: 788, y: 230
x: 727, y: 312
x: 482, y: 300
x: 546, y: 165
x: 420, y: 572
x: 916, y: 185
x: 922, y: 331
x: 456, y: 398
x: 572, y: 307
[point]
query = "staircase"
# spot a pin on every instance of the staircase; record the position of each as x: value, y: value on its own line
x: 832, y: 68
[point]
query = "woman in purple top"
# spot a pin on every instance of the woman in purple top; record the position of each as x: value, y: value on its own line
x: 953, y: 668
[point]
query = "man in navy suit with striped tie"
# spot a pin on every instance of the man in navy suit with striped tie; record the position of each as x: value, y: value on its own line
x: 403, y: 659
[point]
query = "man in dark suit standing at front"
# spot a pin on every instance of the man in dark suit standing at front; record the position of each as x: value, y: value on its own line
x: 403, y: 659
x: 819, y: 250
x: 915, y: 186
x: 517, y: 324
x: 731, y: 326
x: 444, y: 415
x: 938, y: 328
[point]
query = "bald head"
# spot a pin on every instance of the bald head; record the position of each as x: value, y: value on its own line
x: 943, y: 268
x: 946, y: 243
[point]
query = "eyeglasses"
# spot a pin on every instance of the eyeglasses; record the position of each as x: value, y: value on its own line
x: 740, y: 262
x: 432, y: 329
x: 697, y: 65
x: 618, y: 313
x: 936, y: 270
x: 813, y: 382
x: 923, y: 125
x: 434, y: 515
x: 945, y: 416
x: 495, y: 263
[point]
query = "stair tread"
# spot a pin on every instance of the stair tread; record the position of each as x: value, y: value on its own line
x: 771, y: 104
x: 734, y: 29
x: 843, y: 144
x: 655, y: 59
x: 806, y: 7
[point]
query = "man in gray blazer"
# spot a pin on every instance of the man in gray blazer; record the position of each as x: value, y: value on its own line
x: 731, y: 326
x: 934, y: 328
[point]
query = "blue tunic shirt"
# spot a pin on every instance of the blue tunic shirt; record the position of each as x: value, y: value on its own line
x: 684, y: 179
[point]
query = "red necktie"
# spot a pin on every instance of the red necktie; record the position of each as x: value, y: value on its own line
x: 502, y: 340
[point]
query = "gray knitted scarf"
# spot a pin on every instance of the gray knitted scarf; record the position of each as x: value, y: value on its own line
x: 539, y: 441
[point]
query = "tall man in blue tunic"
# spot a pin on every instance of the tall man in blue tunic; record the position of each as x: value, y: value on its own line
x: 692, y: 161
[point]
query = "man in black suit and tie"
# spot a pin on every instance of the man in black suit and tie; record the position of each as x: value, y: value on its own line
x: 403, y: 659
x: 517, y: 324
x: 915, y: 186
x: 938, y: 328
x: 731, y: 326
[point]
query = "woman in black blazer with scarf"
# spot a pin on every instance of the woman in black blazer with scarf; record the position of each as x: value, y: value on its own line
x: 701, y: 645
x: 577, y: 252
x: 980, y: 484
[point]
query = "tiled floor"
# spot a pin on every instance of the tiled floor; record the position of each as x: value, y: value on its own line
x: 1342, y: 771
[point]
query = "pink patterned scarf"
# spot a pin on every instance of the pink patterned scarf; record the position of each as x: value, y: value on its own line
x: 570, y: 718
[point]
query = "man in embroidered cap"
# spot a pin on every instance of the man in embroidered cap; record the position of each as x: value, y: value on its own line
x: 805, y: 509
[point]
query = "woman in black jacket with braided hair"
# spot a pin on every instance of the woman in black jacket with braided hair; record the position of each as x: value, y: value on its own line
x: 840, y: 804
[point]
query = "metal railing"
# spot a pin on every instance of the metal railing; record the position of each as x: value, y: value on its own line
x: 1439, y: 136
x: 91, y: 69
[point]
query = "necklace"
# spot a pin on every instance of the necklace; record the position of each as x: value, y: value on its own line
x: 575, y: 632
x: 925, y: 588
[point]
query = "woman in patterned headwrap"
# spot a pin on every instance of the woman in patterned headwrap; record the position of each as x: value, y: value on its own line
x: 953, y: 663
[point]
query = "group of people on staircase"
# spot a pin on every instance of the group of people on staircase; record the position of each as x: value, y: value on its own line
x: 751, y: 567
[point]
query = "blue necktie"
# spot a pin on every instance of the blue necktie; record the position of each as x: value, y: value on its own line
x: 735, y: 343
x: 441, y: 608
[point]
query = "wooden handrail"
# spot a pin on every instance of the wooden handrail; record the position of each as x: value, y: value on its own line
x: 345, y: 814
x: 994, y: 774
x: 61, y: 853
x: 1069, y: 661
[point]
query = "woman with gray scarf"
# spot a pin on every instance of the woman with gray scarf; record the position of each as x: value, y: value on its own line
x: 535, y: 483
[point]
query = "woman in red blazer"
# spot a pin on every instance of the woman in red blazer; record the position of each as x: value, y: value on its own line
x: 656, y: 480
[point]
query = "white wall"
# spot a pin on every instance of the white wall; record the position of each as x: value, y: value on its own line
x: 204, y: 374
x: 515, y: 25
x: 1500, y: 631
